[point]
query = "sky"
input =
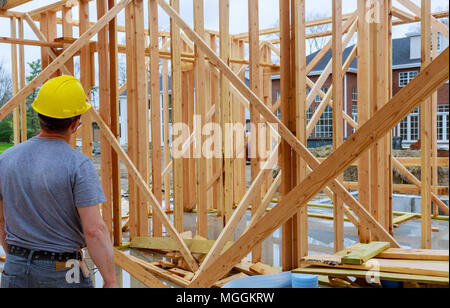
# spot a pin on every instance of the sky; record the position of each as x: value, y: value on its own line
x: 268, y: 15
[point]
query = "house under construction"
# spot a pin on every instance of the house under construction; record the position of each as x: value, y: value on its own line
x: 173, y: 178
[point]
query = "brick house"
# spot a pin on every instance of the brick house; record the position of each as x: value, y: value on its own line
x: 406, y: 65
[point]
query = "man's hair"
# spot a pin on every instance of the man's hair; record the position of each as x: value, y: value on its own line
x: 56, y: 125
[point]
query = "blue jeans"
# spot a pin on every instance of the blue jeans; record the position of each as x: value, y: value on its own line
x: 24, y: 272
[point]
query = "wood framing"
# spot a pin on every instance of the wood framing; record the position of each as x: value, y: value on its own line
x: 181, y: 140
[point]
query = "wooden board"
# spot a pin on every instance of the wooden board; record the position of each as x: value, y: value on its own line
x: 365, y: 253
x: 136, y: 270
x: 363, y: 274
x: 414, y: 254
x: 413, y: 267
x: 263, y: 269
x: 195, y: 246
x: 222, y: 282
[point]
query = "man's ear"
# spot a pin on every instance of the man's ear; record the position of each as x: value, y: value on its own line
x: 74, y: 126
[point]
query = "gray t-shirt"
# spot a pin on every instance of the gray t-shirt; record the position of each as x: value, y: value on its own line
x: 42, y: 183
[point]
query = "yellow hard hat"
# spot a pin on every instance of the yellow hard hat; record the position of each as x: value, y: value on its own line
x: 62, y: 97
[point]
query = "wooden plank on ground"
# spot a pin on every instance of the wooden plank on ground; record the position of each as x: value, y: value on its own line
x: 221, y: 283
x: 428, y: 268
x: 337, y: 272
x: 365, y: 253
x: 154, y: 269
x: 136, y: 270
x: 414, y: 254
x: 263, y: 269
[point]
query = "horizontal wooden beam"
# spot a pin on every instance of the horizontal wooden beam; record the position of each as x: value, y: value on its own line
x: 8, y: 40
x: 54, y: 7
x: 11, y: 3
x: 165, y: 243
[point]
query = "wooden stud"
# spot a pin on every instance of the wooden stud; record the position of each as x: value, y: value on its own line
x: 363, y: 112
x: 105, y: 113
x: 115, y: 129
x: 155, y: 101
x: 200, y: 95
x: 425, y: 130
x: 15, y: 85
x: 177, y: 118
x: 23, y: 106
x: 338, y: 107
x: 85, y: 74
x: 301, y: 120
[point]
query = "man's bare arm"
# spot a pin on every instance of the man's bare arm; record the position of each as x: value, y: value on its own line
x: 98, y: 243
x: 2, y: 229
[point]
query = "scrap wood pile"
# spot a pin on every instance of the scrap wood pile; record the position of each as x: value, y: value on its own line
x: 173, y: 267
x: 376, y: 264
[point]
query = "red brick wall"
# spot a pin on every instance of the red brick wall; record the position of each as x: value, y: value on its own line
x: 443, y: 95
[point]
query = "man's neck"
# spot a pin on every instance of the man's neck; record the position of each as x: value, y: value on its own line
x: 65, y: 136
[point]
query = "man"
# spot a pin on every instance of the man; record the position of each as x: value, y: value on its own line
x: 49, y: 200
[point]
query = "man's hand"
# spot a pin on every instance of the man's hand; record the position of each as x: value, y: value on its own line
x: 98, y: 243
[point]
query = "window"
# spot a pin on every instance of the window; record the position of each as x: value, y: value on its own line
x: 309, y: 114
x: 405, y: 77
x: 354, y: 115
x: 443, y: 123
x: 409, y: 128
x: 324, y: 128
x: 354, y: 94
x: 318, y: 97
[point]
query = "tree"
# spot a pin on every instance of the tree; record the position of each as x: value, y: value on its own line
x: 317, y: 43
x: 5, y: 85
x: 33, y: 126
x: 6, y: 132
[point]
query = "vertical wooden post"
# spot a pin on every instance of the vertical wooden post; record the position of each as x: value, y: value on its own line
x: 239, y: 164
x: 338, y: 104
x: 23, y: 105
x: 67, y: 31
x: 43, y: 26
x: 434, y: 137
x: 165, y: 94
x: 301, y: 246
x: 363, y: 112
x: 177, y: 118
x: 142, y: 116
x: 425, y: 129
x: 105, y: 113
x: 52, y: 34
x: 226, y: 111
x: 379, y: 155
x: 285, y: 155
x: 15, y: 86
x: 255, y: 86
x: 115, y: 128
x: 85, y: 73
x: 131, y: 114
x: 388, y: 95
x: 200, y: 94
x: 155, y: 101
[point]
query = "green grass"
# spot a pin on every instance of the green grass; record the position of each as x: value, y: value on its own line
x: 4, y: 147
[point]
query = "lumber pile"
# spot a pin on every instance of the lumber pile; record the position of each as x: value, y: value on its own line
x: 371, y: 264
x: 173, y: 266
